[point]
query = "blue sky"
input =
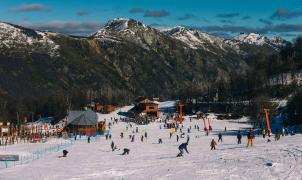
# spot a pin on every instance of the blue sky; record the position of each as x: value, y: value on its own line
x: 220, y: 17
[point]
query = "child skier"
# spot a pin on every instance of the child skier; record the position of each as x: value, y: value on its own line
x: 112, y: 146
x: 213, y: 144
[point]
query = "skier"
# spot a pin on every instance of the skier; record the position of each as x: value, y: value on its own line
x: 213, y: 144
x: 136, y: 130
x: 126, y: 151
x: 277, y: 135
x: 225, y: 129
x: 239, y: 136
x: 160, y: 141
x: 112, y: 146
x: 88, y: 139
x: 146, y: 135
x: 142, y: 138
x: 170, y: 135
x: 181, y: 149
x: 177, y: 137
x: 132, y: 138
x: 220, y: 137
x: 65, y: 152
x: 122, y: 135
x: 250, y: 136
x: 263, y: 133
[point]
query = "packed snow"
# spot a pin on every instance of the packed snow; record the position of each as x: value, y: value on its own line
x: 149, y: 160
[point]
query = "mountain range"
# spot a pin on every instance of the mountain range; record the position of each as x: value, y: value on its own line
x: 123, y: 59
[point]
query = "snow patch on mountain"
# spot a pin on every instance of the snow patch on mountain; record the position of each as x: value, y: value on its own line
x: 254, y: 39
x: 15, y: 37
x: 196, y: 39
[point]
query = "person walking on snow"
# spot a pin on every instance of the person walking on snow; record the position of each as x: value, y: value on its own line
x: 250, y: 136
x: 239, y: 136
x: 142, y: 138
x: 113, y: 147
x: 263, y: 133
x: 213, y: 144
x: 220, y: 137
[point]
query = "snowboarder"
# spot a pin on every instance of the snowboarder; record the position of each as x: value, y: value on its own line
x: 126, y: 151
x: 181, y: 149
x: 213, y: 144
x: 220, y: 137
x: 65, y: 152
x: 239, y: 136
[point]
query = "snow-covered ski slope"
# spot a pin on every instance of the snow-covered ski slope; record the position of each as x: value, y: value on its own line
x: 149, y: 160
